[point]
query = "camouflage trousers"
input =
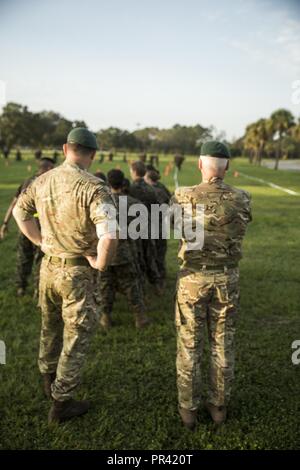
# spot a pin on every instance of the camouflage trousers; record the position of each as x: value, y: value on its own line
x: 206, y: 299
x: 150, y: 260
x: 161, y: 251
x: 69, y: 317
x: 123, y: 278
x: 29, y: 257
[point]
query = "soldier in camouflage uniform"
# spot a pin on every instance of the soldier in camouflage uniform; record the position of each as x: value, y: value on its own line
x: 28, y: 254
x: 122, y: 275
x: 163, y: 195
x: 142, y: 191
x: 76, y: 239
x: 208, y: 287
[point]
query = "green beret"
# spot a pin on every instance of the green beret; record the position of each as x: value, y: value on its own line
x: 213, y: 148
x: 82, y: 136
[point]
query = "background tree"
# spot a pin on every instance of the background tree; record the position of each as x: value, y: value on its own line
x: 282, y: 120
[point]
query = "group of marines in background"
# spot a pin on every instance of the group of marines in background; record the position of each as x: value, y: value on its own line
x: 137, y: 262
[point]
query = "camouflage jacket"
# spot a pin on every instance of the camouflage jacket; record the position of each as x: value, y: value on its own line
x: 127, y: 251
x: 226, y: 215
x: 69, y: 202
x: 163, y: 195
x: 142, y: 191
x: 25, y: 185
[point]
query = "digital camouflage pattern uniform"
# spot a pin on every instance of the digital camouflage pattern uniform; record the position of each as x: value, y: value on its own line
x: 69, y: 203
x: 29, y: 256
x: 142, y: 191
x: 123, y: 274
x: 208, y: 291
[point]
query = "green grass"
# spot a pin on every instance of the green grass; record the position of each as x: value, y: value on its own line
x: 130, y: 376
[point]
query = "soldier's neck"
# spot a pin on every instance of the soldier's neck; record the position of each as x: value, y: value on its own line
x: 116, y: 191
x: 74, y: 161
x: 211, y: 179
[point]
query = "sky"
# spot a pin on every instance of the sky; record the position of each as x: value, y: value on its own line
x: 143, y: 63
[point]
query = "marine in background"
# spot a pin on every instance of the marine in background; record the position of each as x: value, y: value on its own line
x: 29, y: 256
x: 142, y: 191
x: 163, y: 195
x: 122, y: 275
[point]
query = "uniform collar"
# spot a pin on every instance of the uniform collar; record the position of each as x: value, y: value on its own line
x: 73, y: 165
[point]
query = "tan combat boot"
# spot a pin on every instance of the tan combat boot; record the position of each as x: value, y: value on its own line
x: 141, y: 320
x: 189, y: 418
x: 217, y: 413
x: 106, y: 321
x: 48, y: 379
x: 62, y: 410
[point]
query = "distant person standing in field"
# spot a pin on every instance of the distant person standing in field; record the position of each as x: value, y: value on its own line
x: 38, y: 154
x: 122, y: 274
x: 143, y: 157
x: 208, y: 286
x: 55, y: 156
x: 163, y: 195
x: 154, y: 160
x: 6, y: 152
x: 76, y: 238
x: 28, y: 254
x: 142, y: 191
x: 18, y: 155
x: 178, y: 161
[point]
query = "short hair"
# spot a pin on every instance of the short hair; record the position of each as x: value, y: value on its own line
x: 139, y: 168
x: 101, y: 175
x: 216, y: 164
x: 153, y: 175
x: 115, y: 178
x: 150, y: 167
x: 81, y: 150
x: 45, y: 162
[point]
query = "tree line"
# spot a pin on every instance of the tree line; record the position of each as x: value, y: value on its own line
x: 276, y: 137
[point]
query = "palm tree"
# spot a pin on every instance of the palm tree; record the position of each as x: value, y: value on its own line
x: 249, y: 142
x: 257, y: 135
x: 281, y: 121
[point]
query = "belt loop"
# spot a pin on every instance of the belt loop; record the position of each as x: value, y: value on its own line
x: 63, y: 262
x: 225, y: 269
x: 48, y: 260
x: 203, y: 267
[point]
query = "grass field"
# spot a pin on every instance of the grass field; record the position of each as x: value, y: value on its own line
x: 130, y: 375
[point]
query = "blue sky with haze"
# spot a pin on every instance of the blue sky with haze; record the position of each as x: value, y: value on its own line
x: 152, y: 63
